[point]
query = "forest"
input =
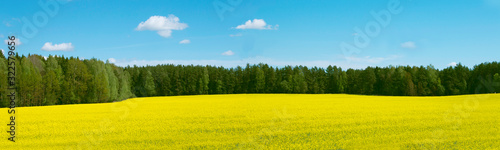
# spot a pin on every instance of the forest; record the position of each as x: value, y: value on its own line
x: 57, y: 80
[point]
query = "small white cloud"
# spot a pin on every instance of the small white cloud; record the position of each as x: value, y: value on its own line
x: 234, y: 35
x: 17, y: 41
x: 112, y: 60
x: 409, y: 44
x: 3, y: 52
x: 44, y: 57
x: 228, y: 53
x: 57, y: 47
x: 256, y: 24
x: 453, y: 64
x: 185, y: 41
x: 163, y: 25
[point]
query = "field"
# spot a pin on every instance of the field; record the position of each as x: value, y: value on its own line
x: 263, y: 121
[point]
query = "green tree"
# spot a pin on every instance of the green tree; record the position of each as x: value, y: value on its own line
x: 98, y: 82
x: 148, y: 83
x: 270, y: 77
x: 76, y: 79
x: 434, y: 82
x: 162, y: 80
x: 260, y: 81
x: 299, y: 84
x: 124, y: 91
x: 410, y: 86
x: 4, y: 100
x: 352, y: 84
x: 52, y: 81
x: 205, y: 80
x: 496, y: 80
x: 112, y: 82
x: 368, y: 79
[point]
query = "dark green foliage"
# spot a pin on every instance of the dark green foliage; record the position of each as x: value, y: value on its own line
x: 51, y: 81
x: 60, y: 80
x: 4, y: 100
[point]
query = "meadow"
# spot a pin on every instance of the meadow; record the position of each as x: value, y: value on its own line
x: 263, y: 121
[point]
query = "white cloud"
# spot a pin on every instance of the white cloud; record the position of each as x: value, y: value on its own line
x: 163, y: 25
x: 228, y: 53
x: 185, y: 41
x: 453, y: 64
x: 3, y: 52
x: 409, y: 44
x: 234, y: 35
x: 57, y: 47
x: 17, y: 41
x: 256, y: 24
x: 112, y: 60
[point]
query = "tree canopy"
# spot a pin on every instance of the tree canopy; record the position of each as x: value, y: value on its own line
x: 60, y: 80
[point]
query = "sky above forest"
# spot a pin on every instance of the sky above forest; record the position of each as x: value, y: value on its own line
x: 346, y: 33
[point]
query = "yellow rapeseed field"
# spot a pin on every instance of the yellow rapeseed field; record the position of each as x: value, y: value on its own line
x: 263, y: 121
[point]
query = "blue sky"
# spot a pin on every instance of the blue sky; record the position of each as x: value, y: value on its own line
x: 285, y: 32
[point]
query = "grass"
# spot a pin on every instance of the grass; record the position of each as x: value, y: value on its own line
x: 263, y: 121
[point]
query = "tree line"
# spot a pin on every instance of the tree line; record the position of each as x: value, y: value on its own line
x: 60, y: 80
